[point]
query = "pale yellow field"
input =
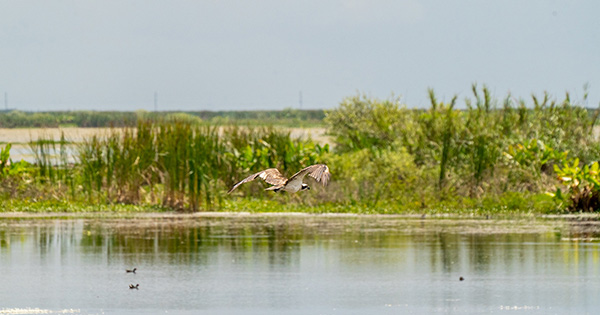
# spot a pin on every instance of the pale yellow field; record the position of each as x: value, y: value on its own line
x: 24, y: 135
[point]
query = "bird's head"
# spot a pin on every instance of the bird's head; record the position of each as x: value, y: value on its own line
x: 305, y: 187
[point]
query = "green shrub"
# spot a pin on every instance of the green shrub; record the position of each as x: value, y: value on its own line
x: 363, y: 123
x: 368, y: 176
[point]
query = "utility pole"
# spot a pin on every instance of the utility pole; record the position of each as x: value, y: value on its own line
x: 300, y: 99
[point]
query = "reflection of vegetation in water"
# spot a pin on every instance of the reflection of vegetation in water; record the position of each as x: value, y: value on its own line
x: 439, y: 247
x: 184, y: 242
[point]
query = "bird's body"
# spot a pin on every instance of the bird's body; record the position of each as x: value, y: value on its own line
x: 137, y: 286
x: 292, y: 186
x: 320, y: 172
x: 131, y: 270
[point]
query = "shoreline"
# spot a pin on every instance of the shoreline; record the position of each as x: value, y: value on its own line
x: 247, y: 214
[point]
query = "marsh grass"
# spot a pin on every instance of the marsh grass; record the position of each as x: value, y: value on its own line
x: 52, y: 161
x: 182, y: 165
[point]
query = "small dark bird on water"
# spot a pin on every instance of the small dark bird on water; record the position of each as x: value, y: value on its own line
x: 131, y: 270
x: 320, y: 172
x: 137, y: 286
x: 461, y: 278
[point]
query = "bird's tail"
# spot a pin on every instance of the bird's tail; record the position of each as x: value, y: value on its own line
x: 274, y: 188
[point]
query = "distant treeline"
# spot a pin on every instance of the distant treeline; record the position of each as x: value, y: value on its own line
x: 101, y: 119
x: 85, y: 119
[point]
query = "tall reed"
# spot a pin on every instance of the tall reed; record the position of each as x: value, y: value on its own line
x: 51, y: 159
x: 448, y: 131
x: 182, y: 165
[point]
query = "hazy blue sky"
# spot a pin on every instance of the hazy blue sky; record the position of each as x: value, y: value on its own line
x: 221, y: 55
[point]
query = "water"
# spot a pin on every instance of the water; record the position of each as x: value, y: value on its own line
x: 253, y: 264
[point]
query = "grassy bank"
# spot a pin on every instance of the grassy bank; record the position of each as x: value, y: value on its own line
x: 488, y: 157
x: 264, y: 205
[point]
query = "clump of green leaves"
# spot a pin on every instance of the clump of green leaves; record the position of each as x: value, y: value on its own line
x: 533, y: 155
x: 582, y: 185
x: 4, y: 160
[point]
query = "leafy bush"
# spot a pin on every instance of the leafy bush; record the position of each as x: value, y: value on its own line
x: 480, y: 151
x: 364, y: 123
x: 582, y: 185
x: 368, y: 176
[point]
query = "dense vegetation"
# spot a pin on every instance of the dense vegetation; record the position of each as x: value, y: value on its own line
x: 495, y: 156
x: 171, y: 163
x: 491, y: 154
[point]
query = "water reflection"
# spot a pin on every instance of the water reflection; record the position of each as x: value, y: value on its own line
x: 265, y: 264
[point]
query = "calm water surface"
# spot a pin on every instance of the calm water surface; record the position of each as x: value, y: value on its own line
x: 253, y: 264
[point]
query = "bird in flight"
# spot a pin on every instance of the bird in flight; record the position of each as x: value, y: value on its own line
x: 320, y: 172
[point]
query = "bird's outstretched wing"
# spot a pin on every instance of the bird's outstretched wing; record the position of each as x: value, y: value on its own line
x: 320, y: 172
x: 271, y: 176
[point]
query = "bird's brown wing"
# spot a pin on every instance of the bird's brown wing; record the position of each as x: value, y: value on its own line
x: 271, y: 176
x: 320, y: 172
